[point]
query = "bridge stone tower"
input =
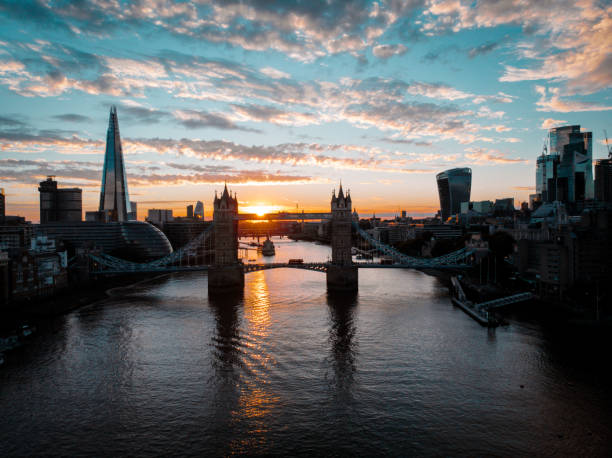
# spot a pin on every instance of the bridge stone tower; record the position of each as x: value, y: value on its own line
x: 226, y: 274
x: 341, y: 273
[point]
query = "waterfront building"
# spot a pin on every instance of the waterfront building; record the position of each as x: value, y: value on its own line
x: 159, y: 216
x: 454, y: 187
x: 114, y: 196
x: 199, y: 210
x: 132, y: 240
x: 603, y: 180
x: 59, y: 204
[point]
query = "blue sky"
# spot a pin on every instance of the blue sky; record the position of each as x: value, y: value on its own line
x: 284, y: 99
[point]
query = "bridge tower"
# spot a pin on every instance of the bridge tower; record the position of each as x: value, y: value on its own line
x: 226, y: 274
x: 341, y: 273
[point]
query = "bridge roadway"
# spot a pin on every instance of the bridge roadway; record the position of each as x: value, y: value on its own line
x: 282, y: 216
x: 314, y: 266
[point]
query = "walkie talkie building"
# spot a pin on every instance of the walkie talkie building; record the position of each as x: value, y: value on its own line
x: 454, y: 187
x: 114, y: 196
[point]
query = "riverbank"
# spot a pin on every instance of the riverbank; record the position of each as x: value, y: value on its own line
x: 35, y: 311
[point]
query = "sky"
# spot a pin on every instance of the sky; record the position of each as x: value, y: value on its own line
x: 283, y: 100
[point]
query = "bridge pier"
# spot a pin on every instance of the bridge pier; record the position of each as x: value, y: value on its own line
x: 341, y: 273
x: 342, y: 278
x: 225, y: 278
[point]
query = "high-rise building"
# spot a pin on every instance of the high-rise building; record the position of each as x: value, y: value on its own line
x: 199, y: 210
x: 189, y: 211
x: 603, y: 180
x: 59, y: 204
x: 114, y: 195
x: 565, y: 173
x: 546, y: 177
x: 575, y: 170
x: 454, y: 187
x: 2, y: 206
x: 133, y: 214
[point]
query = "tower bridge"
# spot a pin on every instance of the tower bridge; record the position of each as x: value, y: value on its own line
x: 227, y: 270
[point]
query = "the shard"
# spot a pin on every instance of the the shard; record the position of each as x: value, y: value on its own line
x: 114, y: 197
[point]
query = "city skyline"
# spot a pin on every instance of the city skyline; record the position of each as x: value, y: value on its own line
x: 381, y: 95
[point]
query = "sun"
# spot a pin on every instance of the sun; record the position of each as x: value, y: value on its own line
x: 260, y: 209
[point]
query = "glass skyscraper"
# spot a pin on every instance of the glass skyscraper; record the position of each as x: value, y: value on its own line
x: 114, y: 197
x: 454, y: 187
x: 566, y: 173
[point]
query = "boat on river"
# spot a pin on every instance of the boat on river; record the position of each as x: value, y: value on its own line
x: 267, y: 248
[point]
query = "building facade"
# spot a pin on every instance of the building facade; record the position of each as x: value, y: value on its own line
x: 59, y: 204
x: 114, y: 196
x: 603, y: 180
x: 454, y: 187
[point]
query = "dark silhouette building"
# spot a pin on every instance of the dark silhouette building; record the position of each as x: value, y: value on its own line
x: 603, y: 180
x: 59, y: 204
x: 2, y: 206
x: 454, y: 187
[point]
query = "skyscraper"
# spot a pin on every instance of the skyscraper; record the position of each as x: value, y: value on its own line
x: 454, y: 187
x: 199, y: 210
x: 114, y: 197
x: 574, y: 178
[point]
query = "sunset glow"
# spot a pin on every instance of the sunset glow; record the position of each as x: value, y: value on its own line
x: 260, y: 209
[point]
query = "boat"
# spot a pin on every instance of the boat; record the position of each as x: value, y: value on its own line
x: 296, y: 261
x: 268, y: 248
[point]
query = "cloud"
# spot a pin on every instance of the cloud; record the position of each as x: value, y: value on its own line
x: 88, y: 174
x: 194, y: 119
x: 549, y: 123
x: 571, y: 47
x: 293, y: 27
x: 491, y: 156
x: 523, y: 188
x: 386, y: 51
x: 484, y: 48
x: 274, y: 73
x: 72, y: 117
x: 550, y: 100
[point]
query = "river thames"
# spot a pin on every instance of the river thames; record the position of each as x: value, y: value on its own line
x: 158, y: 368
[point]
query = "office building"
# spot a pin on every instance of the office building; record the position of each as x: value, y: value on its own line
x: 133, y: 214
x: 454, y: 187
x: 189, y: 211
x: 159, y: 216
x: 114, y: 196
x: 59, y: 205
x: 575, y: 169
x: 603, y: 180
x: 199, y: 210
x: 546, y: 177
